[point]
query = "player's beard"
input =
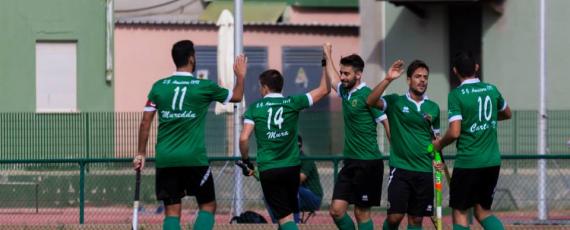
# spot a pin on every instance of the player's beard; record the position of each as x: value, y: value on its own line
x: 348, y: 84
x: 417, y: 91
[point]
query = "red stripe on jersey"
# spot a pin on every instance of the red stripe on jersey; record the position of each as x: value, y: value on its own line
x: 150, y: 104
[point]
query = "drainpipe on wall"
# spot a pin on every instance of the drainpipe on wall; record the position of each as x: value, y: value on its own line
x: 109, y: 42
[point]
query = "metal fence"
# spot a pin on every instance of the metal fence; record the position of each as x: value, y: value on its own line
x: 100, y: 191
x: 75, y: 168
x: 114, y: 135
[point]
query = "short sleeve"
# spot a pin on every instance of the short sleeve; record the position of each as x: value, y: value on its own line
x: 378, y: 114
x: 388, y: 100
x: 218, y: 93
x: 339, y: 89
x: 454, y: 108
x: 436, y: 122
x: 150, y: 105
x: 501, y: 103
x: 248, y: 116
x: 302, y: 101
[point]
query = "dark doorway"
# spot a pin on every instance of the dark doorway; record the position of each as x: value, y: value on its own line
x: 465, y: 33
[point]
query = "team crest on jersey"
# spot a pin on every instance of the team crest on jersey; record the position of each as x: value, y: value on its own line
x: 354, y: 103
x: 429, y: 208
x: 364, y: 197
x: 405, y: 109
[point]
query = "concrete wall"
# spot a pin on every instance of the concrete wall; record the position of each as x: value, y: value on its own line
x: 511, y: 53
x: 24, y: 22
x: 409, y: 37
x: 510, y: 50
x: 558, y: 43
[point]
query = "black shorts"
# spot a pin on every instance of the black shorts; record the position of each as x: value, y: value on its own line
x: 473, y: 186
x: 360, y: 182
x: 280, y: 187
x: 410, y: 192
x: 172, y: 184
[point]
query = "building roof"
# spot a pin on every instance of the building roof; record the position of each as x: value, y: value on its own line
x: 205, y: 13
x: 324, y: 3
x: 168, y: 20
x: 137, y: 8
x: 266, y: 11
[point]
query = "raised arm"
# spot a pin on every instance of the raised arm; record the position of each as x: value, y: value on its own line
x: 240, y: 69
x: 324, y: 87
x: 393, y: 73
x: 330, y: 69
x: 144, y: 131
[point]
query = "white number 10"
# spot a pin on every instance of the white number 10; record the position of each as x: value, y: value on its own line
x: 487, y: 104
x: 277, y: 119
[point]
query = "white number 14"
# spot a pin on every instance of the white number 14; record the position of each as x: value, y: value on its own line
x: 277, y: 119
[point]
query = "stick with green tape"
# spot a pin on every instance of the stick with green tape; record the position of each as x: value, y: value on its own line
x: 438, y: 188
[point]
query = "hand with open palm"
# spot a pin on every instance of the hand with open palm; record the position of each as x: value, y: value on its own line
x: 396, y: 69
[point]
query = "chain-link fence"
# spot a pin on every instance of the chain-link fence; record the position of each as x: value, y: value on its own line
x: 114, y: 135
x: 67, y: 169
x: 101, y: 191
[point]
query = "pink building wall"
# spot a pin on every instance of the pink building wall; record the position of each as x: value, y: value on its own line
x: 307, y: 15
x: 142, y: 53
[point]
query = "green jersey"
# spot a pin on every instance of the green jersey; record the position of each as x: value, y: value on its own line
x: 182, y: 102
x: 313, y: 181
x: 410, y: 133
x: 275, y: 119
x: 476, y: 104
x: 359, y: 123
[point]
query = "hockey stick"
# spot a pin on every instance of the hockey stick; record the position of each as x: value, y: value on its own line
x: 438, y: 187
x: 427, y: 117
x: 438, y: 177
x: 136, y: 202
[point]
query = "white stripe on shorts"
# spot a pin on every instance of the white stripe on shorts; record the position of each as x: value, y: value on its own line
x: 205, y: 177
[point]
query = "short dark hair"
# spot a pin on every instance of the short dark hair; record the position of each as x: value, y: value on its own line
x: 181, y: 51
x: 272, y: 79
x: 416, y: 64
x: 354, y: 61
x: 464, y: 63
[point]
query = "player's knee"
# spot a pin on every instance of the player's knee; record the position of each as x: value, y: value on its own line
x: 209, y: 207
x: 394, y: 219
x: 172, y: 210
x: 415, y: 220
x: 362, y: 214
x: 336, y: 212
x: 481, y: 213
x: 460, y: 217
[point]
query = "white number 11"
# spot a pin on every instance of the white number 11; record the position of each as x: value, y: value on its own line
x: 175, y: 98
